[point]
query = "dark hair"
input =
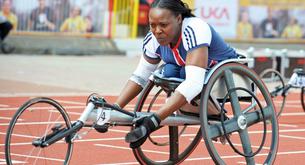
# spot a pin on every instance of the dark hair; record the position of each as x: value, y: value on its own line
x: 176, y: 6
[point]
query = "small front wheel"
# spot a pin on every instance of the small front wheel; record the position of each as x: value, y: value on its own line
x: 37, y: 118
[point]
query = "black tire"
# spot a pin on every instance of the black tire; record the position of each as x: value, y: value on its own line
x: 7, y: 49
x: 33, y: 120
x: 176, y: 154
x: 239, y: 105
x: 303, y: 98
x: 276, y: 85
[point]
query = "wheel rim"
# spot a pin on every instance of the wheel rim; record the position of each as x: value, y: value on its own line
x: 24, y: 128
x: 303, y: 97
x: 173, y: 154
x: 275, y: 83
x: 241, y: 137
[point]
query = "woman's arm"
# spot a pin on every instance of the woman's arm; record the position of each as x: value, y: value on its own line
x: 197, y: 57
x: 134, y: 87
x: 130, y: 91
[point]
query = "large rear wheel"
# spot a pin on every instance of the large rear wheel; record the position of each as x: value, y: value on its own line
x: 251, y: 126
x: 169, y: 144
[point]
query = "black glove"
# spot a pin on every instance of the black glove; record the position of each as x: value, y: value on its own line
x: 143, y: 127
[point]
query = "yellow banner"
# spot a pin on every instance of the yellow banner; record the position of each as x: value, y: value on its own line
x: 279, y: 4
x: 190, y: 3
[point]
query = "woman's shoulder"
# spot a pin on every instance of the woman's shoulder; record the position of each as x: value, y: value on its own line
x: 194, y: 23
x: 150, y: 41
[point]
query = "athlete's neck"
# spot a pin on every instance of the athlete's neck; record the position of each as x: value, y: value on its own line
x: 175, y: 40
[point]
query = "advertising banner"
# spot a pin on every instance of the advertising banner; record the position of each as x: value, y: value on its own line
x: 221, y: 14
x: 275, y: 4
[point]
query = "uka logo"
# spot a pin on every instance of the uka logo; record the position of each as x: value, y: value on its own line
x: 215, y: 13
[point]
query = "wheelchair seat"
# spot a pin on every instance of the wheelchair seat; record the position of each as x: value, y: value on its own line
x: 168, y: 84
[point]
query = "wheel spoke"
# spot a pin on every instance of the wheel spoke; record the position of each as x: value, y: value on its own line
x: 46, y: 131
x: 246, y: 144
x: 37, y: 156
x: 173, y: 143
x: 233, y: 94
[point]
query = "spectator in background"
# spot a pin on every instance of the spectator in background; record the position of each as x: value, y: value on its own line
x: 269, y: 26
x: 7, y: 13
x: 244, y: 27
x: 5, y: 28
x: 61, y: 10
x: 23, y: 12
x: 293, y: 30
x: 42, y: 18
x: 95, y: 10
x: 75, y: 23
x: 89, y: 24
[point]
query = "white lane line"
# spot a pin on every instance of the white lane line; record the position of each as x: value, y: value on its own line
x: 71, y: 102
x: 47, y: 94
x: 292, y: 106
x: 209, y: 158
x: 32, y: 123
x: 76, y: 141
x: 40, y: 108
x: 36, y: 157
x: 292, y: 130
x: 127, y: 163
x: 238, y: 144
x: 293, y: 101
x: 288, y: 125
x: 292, y: 137
x: 4, y: 105
x: 293, y: 114
x: 20, y: 135
x: 13, y: 162
x: 127, y: 148
x: 238, y: 156
x: 9, y: 118
x: 117, y: 130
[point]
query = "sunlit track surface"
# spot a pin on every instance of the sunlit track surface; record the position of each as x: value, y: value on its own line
x: 110, y: 148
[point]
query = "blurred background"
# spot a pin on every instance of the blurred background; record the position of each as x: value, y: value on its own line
x: 273, y: 31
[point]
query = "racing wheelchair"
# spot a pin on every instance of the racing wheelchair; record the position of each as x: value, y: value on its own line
x: 243, y: 101
x: 279, y: 90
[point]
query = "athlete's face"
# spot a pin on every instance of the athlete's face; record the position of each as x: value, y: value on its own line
x: 165, y: 25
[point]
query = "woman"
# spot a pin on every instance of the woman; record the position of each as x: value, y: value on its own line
x: 244, y: 27
x: 5, y: 28
x: 188, y: 46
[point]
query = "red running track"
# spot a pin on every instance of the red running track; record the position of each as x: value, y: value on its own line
x: 110, y: 148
